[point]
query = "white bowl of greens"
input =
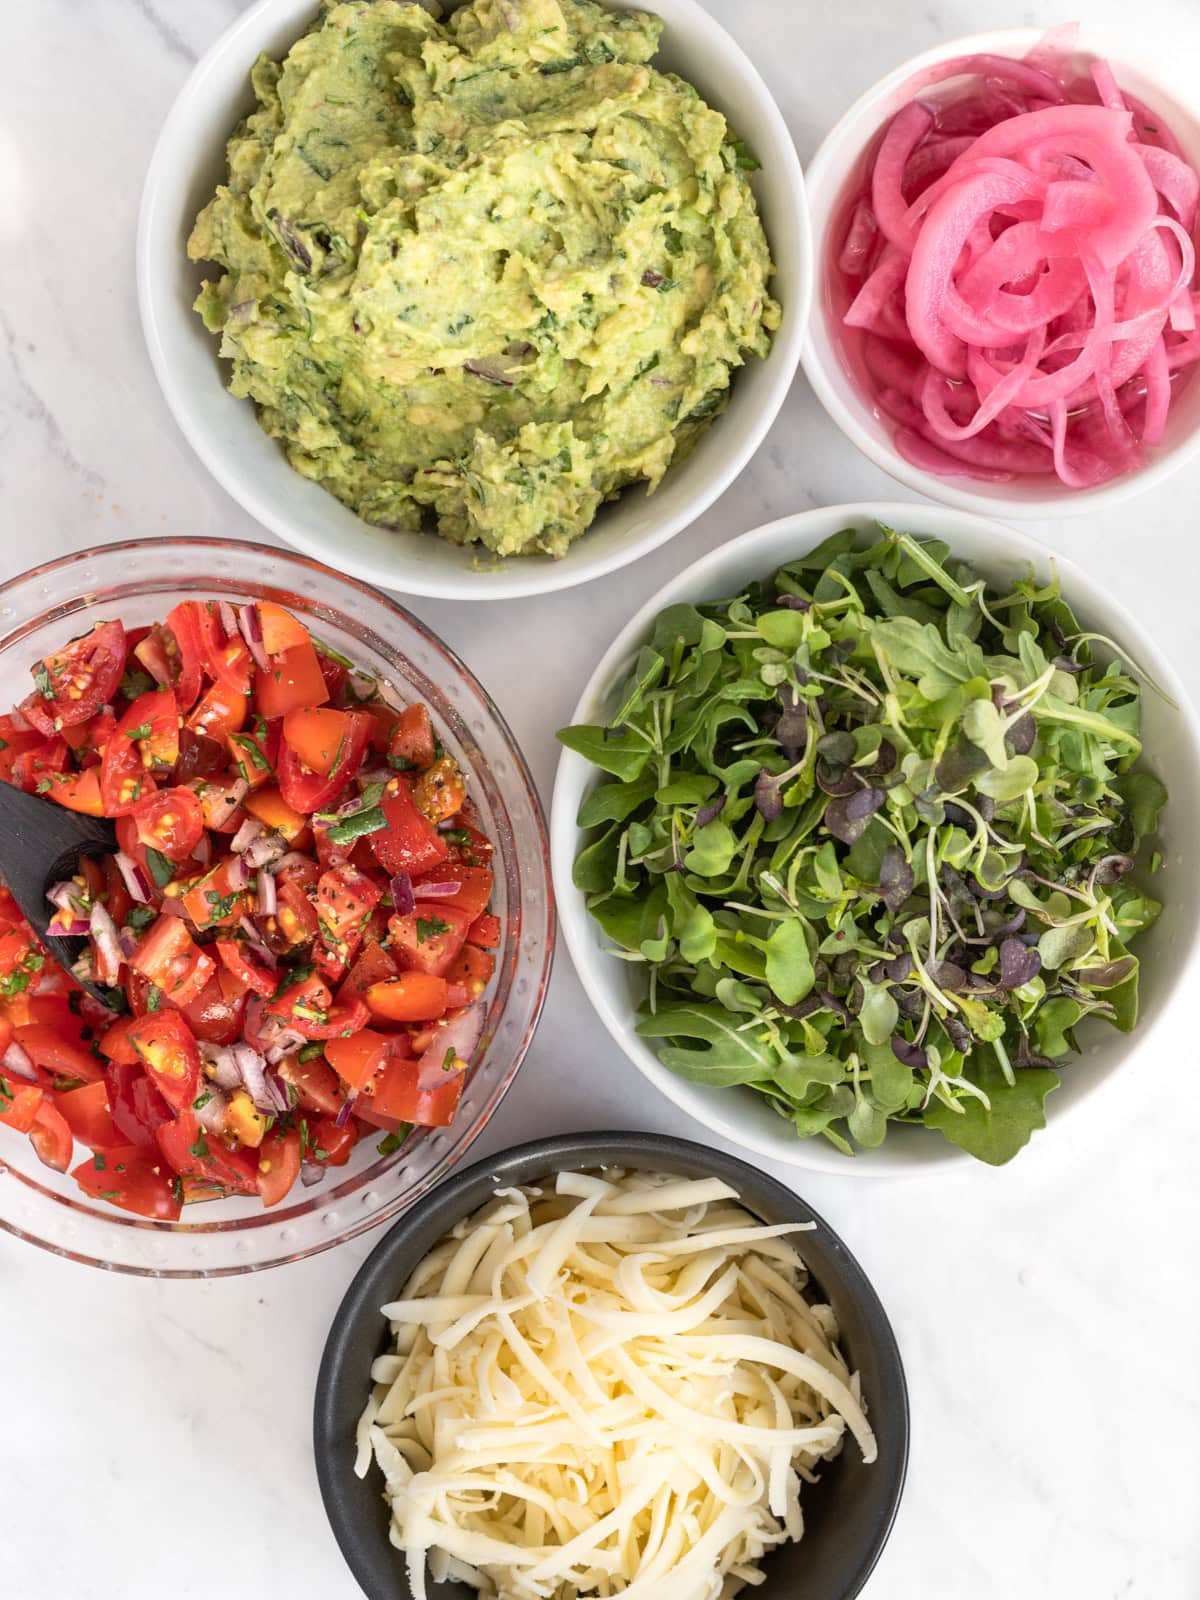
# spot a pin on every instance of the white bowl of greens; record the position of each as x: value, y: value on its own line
x: 746, y: 901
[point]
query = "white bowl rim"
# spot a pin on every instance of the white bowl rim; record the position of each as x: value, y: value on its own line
x: 825, y: 167
x: 573, y: 771
x: 515, y: 580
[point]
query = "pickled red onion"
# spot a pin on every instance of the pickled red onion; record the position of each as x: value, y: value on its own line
x: 1017, y: 272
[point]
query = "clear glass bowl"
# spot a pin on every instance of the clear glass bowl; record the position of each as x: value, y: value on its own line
x: 139, y: 581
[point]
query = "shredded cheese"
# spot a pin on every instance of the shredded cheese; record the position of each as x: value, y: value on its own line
x: 614, y: 1389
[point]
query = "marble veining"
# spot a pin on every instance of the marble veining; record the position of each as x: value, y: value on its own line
x: 156, y: 1435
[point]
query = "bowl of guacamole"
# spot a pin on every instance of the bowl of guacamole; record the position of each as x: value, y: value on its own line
x: 501, y: 300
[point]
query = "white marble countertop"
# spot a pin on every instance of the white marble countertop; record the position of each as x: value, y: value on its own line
x: 156, y: 1435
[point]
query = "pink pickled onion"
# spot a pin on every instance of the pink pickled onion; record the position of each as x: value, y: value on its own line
x: 1016, y: 270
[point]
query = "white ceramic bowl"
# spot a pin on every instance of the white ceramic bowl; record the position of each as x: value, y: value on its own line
x: 189, y: 162
x: 827, y: 177
x: 1172, y: 748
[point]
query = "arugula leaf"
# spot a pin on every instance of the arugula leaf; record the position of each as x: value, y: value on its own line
x: 994, y: 1133
x: 619, y: 753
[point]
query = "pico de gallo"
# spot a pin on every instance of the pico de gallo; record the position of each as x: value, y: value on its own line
x: 292, y: 940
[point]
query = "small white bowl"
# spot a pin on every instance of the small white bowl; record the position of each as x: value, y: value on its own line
x: 189, y: 162
x: 827, y: 176
x: 1171, y: 737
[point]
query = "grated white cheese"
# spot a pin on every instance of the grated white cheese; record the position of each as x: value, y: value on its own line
x: 616, y: 1389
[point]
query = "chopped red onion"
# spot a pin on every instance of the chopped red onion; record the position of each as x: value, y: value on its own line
x: 363, y: 686
x: 267, y: 897
x: 370, y: 775
x: 72, y: 928
x: 286, y: 1040
x: 278, y: 1092
x: 402, y: 894
x: 460, y: 1034
x: 253, y: 1069
x: 203, y: 850
x: 237, y: 874
x: 311, y: 1173
x: 255, y: 941
x: 438, y: 891
x: 246, y: 835
x: 134, y: 878
x: 67, y: 897
x: 127, y: 939
x: 221, y: 1065
x: 228, y: 618
x: 268, y: 847
x: 346, y: 1107
x: 211, y: 1115
x: 250, y: 627
x: 16, y: 1061
x: 107, y: 946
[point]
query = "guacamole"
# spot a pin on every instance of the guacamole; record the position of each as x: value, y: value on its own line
x: 479, y: 275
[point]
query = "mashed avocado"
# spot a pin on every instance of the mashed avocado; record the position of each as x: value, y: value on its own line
x: 480, y: 275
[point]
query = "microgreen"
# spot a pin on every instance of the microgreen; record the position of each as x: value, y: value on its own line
x: 873, y: 828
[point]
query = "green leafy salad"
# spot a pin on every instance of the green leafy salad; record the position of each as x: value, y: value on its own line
x: 875, y: 831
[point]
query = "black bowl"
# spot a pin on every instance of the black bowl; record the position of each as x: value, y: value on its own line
x: 847, y: 1516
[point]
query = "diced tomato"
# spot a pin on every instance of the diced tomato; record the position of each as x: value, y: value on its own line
x: 255, y: 752
x: 372, y: 965
x: 19, y: 1102
x: 317, y: 736
x: 84, y: 675
x: 16, y: 946
x: 294, y: 922
x: 221, y: 711
x: 335, y: 675
x: 409, y: 843
x: 345, y: 898
x: 485, y: 932
x: 88, y: 1116
x: 146, y: 737
x: 411, y: 744
x: 193, y: 1153
x: 115, y: 1043
x: 184, y: 627
x: 219, y: 896
x: 167, y: 1049
x: 328, y: 1145
x: 213, y: 1016
x: 430, y: 937
x: 36, y: 769
x: 137, y: 1107
x: 393, y: 1097
x: 170, y: 821
x: 308, y: 1007
x: 385, y: 718
x: 280, y: 629
x: 168, y: 957
x: 155, y: 649
x: 226, y: 656
x: 51, y: 1137
x: 273, y: 811
x: 248, y: 971
x: 438, y: 792
x: 411, y: 997
x: 357, y: 1059
x: 474, y: 888
x: 278, y: 1164
x: 294, y: 680
x: 51, y: 1051
x: 469, y: 976
x: 221, y: 802
x: 40, y: 715
x: 308, y: 791
x: 15, y: 740
x: 315, y: 1082
x: 132, y: 1179
x: 199, y: 757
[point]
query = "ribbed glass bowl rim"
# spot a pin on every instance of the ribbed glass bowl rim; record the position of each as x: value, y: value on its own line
x: 26, y: 622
